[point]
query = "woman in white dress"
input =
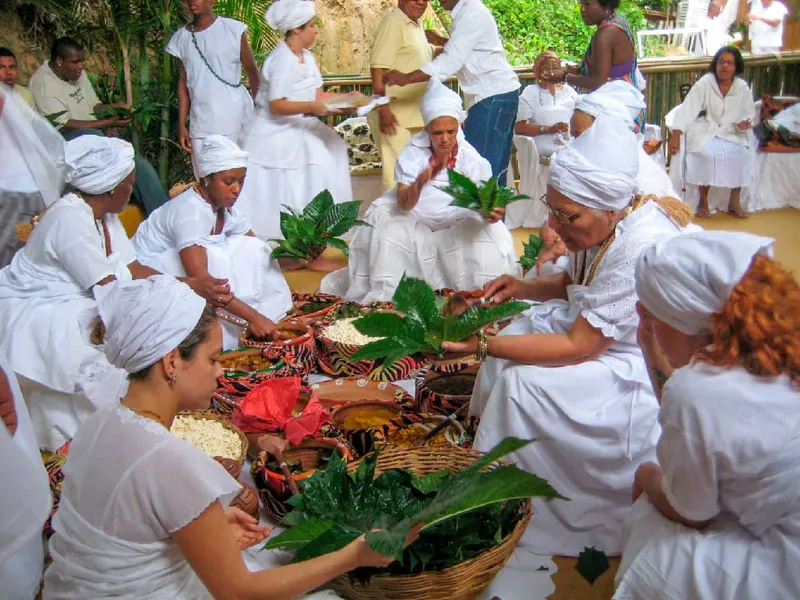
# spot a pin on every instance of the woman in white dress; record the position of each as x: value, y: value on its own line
x: 719, y: 515
x: 569, y: 372
x: 202, y: 232
x: 414, y: 230
x: 716, y: 117
x: 143, y: 514
x: 293, y: 155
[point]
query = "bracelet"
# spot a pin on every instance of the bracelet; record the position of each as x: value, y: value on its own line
x: 483, y: 346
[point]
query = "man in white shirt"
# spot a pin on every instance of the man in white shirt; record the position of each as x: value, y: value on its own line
x: 712, y: 24
x: 766, y: 26
x: 474, y: 53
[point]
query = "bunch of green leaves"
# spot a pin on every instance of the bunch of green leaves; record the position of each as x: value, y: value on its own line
x: 322, y: 221
x: 530, y: 252
x: 55, y: 119
x: 116, y: 111
x: 462, y: 514
x: 421, y: 326
x: 483, y: 198
x: 348, y: 310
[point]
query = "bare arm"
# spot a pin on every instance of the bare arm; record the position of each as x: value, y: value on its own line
x: 249, y: 63
x: 285, y: 107
x: 532, y: 129
x: 602, y: 56
x: 649, y: 479
x: 140, y: 271
x: 75, y: 124
x: 408, y: 195
x: 184, y: 103
x: 541, y: 289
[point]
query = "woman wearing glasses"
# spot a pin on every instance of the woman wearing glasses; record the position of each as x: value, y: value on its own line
x: 716, y: 117
x: 569, y: 372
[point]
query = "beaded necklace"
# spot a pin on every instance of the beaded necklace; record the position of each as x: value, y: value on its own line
x: 105, y: 233
x: 206, y: 63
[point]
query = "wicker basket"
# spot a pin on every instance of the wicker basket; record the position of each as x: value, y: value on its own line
x: 225, y: 423
x: 431, y: 400
x: 298, y: 300
x: 299, y: 353
x: 463, y: 581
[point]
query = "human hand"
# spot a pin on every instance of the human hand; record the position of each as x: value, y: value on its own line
x: 560, y: 128
x: 496, y: 215
x: 504, y: 288
x: 395, y: 78
x: 434, y: 38
x: 261, y: 328
x: 7, y: 411
x: 184, y: 140
x: 216, y: 291
x: 551, y: 254
x: 468, y: 346
x: 559, y: 74
x: 637, y: 491
x: 674, y: 144
x: 245, y: 528
x: 744, y: 125
x: 366, y: 557
x: 387, y: 121
x: 320, y: 109
x: 124, y: 121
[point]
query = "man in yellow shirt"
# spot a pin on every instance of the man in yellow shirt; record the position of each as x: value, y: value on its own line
x: 9, y: 74
x: 400, y: 45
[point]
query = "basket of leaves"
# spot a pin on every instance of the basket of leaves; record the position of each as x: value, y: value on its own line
x: 338, y: 341
x: 308, y: 233
x: 473, y: 508
x: 305, y: 459
x: 530, y: 253
x: 310, y: 308
x: 444, y: 393
x: 296, y: 347
x: 483, y: 198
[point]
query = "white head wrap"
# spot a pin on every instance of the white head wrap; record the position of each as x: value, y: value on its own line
x: 599, y: 169
x: 97, y: 164
x: 440, y: 101
x: 617, y: 98
x: 285, y: 15
x: 687, y: 278
x: 145, y: 319
x: 218, y: 153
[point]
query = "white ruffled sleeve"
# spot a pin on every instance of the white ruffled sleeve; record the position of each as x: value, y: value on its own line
x: 527, y: 101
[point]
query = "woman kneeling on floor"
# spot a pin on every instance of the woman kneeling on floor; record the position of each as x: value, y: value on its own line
x: 719, y: 516
x: 414, y: 230
x: 201, y: 232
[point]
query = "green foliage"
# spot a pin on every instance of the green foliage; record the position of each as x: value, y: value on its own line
x: 308, y: 233
x: 592, y: 564
x: 263, y: 39
x: 483, y: 198
x: 422, y: 327
x: 529, y: 27
x: 463, y: 514
x: 530, y: 252
x: 54, y: 119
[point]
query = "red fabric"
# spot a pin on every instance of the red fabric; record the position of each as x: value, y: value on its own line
x: 269, y: 408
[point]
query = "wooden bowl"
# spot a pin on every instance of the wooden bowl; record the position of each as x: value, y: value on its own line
x: 247, y: 500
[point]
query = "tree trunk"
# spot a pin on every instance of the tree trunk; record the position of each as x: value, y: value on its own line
x: 166, y: 78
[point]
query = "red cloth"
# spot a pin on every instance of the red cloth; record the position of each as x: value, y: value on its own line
x: 269, y: 408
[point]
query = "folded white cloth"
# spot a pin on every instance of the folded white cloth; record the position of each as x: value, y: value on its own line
x: 440, y: 101
x: 97, y: 164
x: 217, y: 154
x: 285, y: 15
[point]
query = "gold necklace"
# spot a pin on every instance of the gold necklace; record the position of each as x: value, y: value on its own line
x: 637, y: 203
x: 149, y: 414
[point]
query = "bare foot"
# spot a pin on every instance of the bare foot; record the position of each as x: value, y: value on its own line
x: 291, y: 264
x: 702, y: 213
x: 739, y: 214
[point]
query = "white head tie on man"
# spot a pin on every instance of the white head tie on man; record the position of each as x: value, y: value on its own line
x: 684, y: 280
x: 285, y: 15
x: 599, y: 168
x: 96, y: 164
x: 440, y: 101
x: 145, y: 319
x: 218, y: 153
x: 616, y: 98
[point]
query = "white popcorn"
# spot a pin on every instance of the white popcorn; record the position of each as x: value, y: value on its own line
x: 209, y: 435
x: 344, y: 332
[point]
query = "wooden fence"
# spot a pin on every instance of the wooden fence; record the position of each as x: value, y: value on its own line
x: 773, y: 74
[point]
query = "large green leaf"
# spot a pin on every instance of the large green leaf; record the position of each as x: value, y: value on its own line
x: 339, y: 245
x: 298, y: 536
x: 483, y: 198
x: 530, y: 252
x: 319, y: 205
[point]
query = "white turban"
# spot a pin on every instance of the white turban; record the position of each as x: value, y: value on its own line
x: 217, y: 153
x: 285, y: 15
x: 97, y: 164
x: 599, y: 169
x: 145, y: 319
x: 440, y: 101
x: 682, y: 281
x: 616, y: 98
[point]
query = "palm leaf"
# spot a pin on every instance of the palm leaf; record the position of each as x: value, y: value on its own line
x: 263, y: 39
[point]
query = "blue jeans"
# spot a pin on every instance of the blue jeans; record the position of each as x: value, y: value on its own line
x: 490, y: 128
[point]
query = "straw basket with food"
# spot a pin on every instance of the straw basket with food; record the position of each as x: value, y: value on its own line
x: 472, y: 510
x: 310, y: 308
x: 296, y: 346
x: 211, y: 434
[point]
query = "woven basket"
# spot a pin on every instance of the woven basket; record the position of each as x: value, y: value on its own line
x: 298, y: 300
x: 432, y: 400
x: 179, y: 188
x: 225, y: 423
x: 463, y: 581
x: 299, y: 353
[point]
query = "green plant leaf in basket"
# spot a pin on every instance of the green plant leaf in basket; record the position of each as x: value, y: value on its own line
x: 530, y: 252
x: 298, y: 536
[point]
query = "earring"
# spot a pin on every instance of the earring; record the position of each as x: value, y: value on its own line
x: 173, y: 379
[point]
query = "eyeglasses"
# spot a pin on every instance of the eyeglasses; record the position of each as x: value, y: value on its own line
x: 562, y: 216
x: 727, y: 63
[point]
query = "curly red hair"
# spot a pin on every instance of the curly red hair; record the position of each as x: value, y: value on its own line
x: 758, y: 328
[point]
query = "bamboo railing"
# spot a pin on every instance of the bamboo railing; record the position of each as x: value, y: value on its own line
x: 774, y: 74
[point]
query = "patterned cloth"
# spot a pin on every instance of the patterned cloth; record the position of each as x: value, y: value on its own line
x: 361, y: 148
x: 54, y: 463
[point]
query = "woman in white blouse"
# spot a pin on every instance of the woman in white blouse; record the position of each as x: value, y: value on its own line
x: 293, y: 155
x: 715, y: 118
x: 202, y: 232
x: 719, y: 515
x: 143, y: 514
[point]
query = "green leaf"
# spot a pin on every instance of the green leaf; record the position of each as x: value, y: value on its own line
x: 298, y: 536
x: 377, y: 324
x: 431, y: 482
x: 383, y: 348
x: 592, y: 564
x: 53, y: 118
x: 477, y: 317
x: 389, y: 543
x: 318, y: 206
x: 335, y: 538
x: 340, y: 245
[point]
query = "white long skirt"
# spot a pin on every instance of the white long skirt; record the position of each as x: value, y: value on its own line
x: 465, y: 256
x: 254, y: 277
x: 267, y: 189
x: 593, y: 429
x: 532, y: 182
x: 720, y: 163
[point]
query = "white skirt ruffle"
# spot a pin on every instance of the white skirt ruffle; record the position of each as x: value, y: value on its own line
x: 720, y: 164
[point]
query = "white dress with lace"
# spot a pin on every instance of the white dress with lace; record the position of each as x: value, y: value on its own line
x: 596, y: 421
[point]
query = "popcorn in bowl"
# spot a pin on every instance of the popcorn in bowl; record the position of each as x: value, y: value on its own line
x: 209, y: 435
x: 344, y: 332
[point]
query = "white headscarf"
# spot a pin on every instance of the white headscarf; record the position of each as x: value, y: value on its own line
x: 285, y: 15
x: 599, y: 169
x: 685, y: 279
x: 440, y: 101
x: 145, y: 319
x: 218, y: 153
x: 617, y: 98
x: 97, y: 164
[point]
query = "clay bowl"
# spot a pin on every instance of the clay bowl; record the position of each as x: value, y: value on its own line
x: 339, y: 392
x: 443, y: 393
x: 362, y: 437
x: 299, y: 352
